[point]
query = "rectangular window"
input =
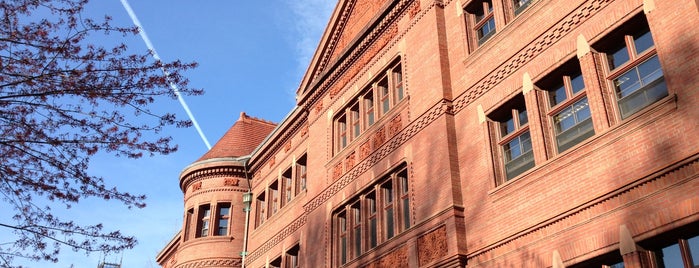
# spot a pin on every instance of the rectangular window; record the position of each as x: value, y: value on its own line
x: 301, y: 174
x: 520, y: 5
x: 204, y: 220
x: 261, y: 209
x: 276, y: 263
x: 357, y: 222
x: 682, y: 253
x: 634, y: 68
x: 188, y: 223
x: 291, y: 259
x: 482, y: 20
x: 397, y: 76
x: 568, y: 106
x: 384, y: 97
x: 273, y: 198
x: 342, y: 235
x: 514, y: 138
x: 372, y: 219
x: 342, y: 132
x: 388, y: 213
x: 289, y: 186
x: 354, y: 121
x: 356, y: 228
x: 369, y: 108
x: 361, y: 111
x: 223, y: 218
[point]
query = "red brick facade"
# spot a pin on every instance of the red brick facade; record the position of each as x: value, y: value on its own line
x: 472, y: 133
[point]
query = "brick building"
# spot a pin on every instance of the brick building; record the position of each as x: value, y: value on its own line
x: 467, y: 133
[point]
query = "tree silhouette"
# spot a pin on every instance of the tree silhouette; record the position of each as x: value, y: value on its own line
x: 62, y: 100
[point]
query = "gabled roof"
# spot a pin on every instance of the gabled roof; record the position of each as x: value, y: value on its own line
x: 241, y: 139
x: 349, y: 19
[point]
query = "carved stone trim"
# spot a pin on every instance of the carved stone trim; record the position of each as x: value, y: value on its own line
x: 432, y: 246
x: 397, y: 258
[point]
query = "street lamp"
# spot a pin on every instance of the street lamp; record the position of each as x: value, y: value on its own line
x: 247, y: 201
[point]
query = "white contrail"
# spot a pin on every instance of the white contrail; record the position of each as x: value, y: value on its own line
x: 150, y: 46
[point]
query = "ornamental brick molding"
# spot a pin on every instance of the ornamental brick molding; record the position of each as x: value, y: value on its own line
x: 212, y: 263
x: 432, y: 246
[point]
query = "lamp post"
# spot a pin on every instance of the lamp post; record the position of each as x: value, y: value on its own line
x: 247, y: 204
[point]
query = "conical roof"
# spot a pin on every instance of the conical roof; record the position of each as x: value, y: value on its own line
x: 241, y: 139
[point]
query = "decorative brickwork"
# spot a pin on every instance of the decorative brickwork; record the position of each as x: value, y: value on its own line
x: 397, y: 258
x: 432, y: 246
x: 364, y: 149
x: 196, y: 186
x: 395, y: 126
x: 414, y: 9
x: 379, y: 137
x: 212, y: 263
x: 350, y: 161
x: 287, y: 146
x: 231, y: 182
x: 337, y: 170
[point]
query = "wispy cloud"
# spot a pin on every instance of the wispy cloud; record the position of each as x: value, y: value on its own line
x: 311, y: 19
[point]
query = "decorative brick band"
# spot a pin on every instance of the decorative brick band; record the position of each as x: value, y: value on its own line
x: 212, y: 172
x: 237, y: 262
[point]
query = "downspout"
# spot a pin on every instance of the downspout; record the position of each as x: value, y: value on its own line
x: 247, y: 209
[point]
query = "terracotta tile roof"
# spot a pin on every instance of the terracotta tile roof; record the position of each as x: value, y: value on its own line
x: 241, y: 139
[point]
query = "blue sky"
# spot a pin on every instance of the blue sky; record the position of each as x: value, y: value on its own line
x: 252, y: 56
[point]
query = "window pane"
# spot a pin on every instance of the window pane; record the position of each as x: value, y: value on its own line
x: 406, y: 213
x: 523, y: 119
x: 389, y: 223
x: 694, y: 249
x: 522, y: 159
x: 507, y: 127
x: 564, y: 120
x: 512, y: 150
x: 557, y: 96
x: 222, y: 227
x: 671, y: 256
x: 372, y: 233
x: 643, y: 41
x: 650, y: 70
x: 343, y: 249
x: 627, y: 83
x: 618, y: 57
x: 640, y: 86
x: 577, y: 83
x: 486, y: 31
x: 520, y: 5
